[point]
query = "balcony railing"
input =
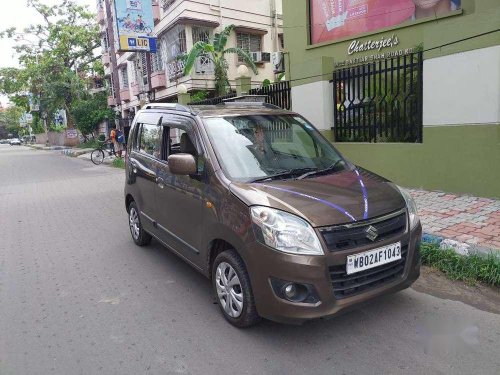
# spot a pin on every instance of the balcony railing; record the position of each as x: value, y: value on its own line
x: 204, y: 65
x: 166, y: 4
x: 175, y: 69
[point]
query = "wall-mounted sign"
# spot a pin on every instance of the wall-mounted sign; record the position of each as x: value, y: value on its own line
x: 134, y: 25
x: 337, y: 19
x: 379, y: 45
x: 71, y: 134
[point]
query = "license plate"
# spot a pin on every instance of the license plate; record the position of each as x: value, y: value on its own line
x: 373, y: 258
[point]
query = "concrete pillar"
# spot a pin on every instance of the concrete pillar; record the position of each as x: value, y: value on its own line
x: 184, y: 98
x: 243, y: 85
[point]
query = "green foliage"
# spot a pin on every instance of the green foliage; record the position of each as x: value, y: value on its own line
x: 199, y: 96
x: 470, y: 269
x: 55, y: 55
x: 280, y: 77
x: 118, y: 163
x: 266, y: 83
x: 216, y: 51
x: 90, y: 112
x: 9, y: 120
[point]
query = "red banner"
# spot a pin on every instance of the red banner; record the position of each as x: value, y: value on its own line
x: 336, y: 19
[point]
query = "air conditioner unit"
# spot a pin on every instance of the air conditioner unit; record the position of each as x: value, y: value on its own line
x: 278, y: 61
x: 261, y: 57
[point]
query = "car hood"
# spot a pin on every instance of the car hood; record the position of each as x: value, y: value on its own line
x: 342, y: 197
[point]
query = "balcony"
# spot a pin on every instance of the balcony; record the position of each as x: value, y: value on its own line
x: 105, y: 59
x: 125, y: 94
x: 204, y: 65
x: 111, y: 101
x: 158, y: 80
x: 156, y: 12
x: 101, y: 17
x: 134, y: 89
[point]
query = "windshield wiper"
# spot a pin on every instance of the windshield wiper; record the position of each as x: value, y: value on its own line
x: 319, y: 171
x: 287, y: 173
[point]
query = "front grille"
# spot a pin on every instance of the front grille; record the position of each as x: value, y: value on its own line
x: 350, y: 236
x: 345, y: 285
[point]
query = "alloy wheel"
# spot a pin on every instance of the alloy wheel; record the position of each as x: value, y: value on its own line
x: 229, y: 290
x: 134, y: 223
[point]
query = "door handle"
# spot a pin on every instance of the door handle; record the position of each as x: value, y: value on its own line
x: 161, y: 182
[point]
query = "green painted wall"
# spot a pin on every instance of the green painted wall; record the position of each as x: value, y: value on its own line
x: 307, y: 63
x: 460, y: 159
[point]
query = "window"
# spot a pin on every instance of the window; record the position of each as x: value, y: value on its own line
x: 105, y: 43
x: 150, y: 140
x: 200, y: 34
x: 157, y: 60
x: 142, y: 69
x: 124, y: 78
x: 281, y: 40
x: 173, y: 45
x: 248, y: 43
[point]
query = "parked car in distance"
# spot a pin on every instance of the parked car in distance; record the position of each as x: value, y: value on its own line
x: 256, y: 199
x: 15, y: 142
x: 4, y: 141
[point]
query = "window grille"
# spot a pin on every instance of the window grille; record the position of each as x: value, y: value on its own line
x: 248, y: 43
x: 200, y: 34
x: 165, y: 4
x: 157, y: 60
x: 124, y: 78
x: 173, y: 45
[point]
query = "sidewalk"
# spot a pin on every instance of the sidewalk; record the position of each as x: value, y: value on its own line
x: 471, y: 221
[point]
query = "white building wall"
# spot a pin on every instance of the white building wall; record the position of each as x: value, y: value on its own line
x: 462, y: 88
x: 314, y: 101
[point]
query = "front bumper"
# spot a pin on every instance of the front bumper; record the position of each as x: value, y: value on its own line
x: 265, y: 263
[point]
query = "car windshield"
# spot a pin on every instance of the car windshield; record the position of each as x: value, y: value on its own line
x: 258, y: 147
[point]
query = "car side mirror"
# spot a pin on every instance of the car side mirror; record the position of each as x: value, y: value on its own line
x: 182, y: 164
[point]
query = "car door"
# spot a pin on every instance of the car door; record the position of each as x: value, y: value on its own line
x: 180, y: 198
x: 144, y: 155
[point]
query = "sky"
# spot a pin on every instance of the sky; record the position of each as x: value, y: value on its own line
x: 15, y: 13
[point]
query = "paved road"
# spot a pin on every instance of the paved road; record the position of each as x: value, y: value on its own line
x: 77, y: 297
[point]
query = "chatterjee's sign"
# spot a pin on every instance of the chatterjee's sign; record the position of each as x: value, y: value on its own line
x: 336, y: 19
x: 134, y: 25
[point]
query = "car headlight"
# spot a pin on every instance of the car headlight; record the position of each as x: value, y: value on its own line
x: 285, y: 232
x: 412, y: 207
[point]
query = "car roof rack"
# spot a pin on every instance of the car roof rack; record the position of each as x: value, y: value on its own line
x: 250, y: 104
x: 174, y: 106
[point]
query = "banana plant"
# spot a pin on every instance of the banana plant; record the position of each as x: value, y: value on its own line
x: 216, y: 51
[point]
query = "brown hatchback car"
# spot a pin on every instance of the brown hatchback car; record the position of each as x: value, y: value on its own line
x: 255, y: 198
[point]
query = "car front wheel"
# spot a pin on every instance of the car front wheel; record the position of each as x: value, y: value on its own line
x: 233, y: 290
x: 139, y: 235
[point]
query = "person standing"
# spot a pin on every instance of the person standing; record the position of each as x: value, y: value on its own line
x: 117, y: 140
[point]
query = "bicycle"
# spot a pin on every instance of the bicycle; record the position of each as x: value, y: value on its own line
x: 97, y: 156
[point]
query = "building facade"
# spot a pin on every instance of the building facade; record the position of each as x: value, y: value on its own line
x: 135, y: 78
x: 409, y: 89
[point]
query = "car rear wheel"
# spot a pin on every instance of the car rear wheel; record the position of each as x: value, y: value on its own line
x: 233, y: 290
x: 139, y: 235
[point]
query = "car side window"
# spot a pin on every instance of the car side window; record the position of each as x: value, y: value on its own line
x: 150, y: 140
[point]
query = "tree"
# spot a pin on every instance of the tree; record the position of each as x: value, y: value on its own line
x: 9, y: 120
x: 90, y: 112
x: 216, y: 51
x: 55, y: 56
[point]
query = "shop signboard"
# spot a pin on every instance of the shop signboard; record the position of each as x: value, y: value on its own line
x: 134, y: 25
x: 337, y: 19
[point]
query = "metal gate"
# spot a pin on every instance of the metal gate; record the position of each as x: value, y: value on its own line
x: 380, y: 101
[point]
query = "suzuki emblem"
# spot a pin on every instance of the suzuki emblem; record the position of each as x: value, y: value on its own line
x: 371, y: 233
